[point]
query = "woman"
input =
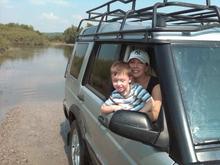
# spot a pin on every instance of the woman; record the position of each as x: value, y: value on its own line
x: 139, y: 62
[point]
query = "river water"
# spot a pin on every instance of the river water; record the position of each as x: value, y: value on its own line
x: 32, y: 74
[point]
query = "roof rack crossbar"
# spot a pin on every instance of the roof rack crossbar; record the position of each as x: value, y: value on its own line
x: 118, y: 13
x: 179, y: 4
x: 198, y: 17
x: 108, y: 5
x: 217, y: 10
x: 114, y: 13
x: 208, y: 2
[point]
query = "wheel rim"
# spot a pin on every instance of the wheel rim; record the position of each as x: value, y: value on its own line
x: 75, y: 149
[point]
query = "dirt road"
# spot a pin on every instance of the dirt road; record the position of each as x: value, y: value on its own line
x: 33, y: 134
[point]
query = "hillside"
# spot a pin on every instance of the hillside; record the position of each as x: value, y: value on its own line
x: 12, y: 35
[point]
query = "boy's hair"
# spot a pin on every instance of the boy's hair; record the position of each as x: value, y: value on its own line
x: 119, y: 67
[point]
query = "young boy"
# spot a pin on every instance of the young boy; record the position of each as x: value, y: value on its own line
x: 127, y: 95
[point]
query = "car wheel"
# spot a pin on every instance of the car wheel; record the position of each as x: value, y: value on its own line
x: 77, y: 148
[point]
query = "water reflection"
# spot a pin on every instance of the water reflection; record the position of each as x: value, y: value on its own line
x: 32, y: 74
x: 27, y: 53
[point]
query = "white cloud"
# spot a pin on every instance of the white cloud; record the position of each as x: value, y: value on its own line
x: 59, y: 2
x: 4, y: 1
x: 50, y: 16
x: 38, y: 2
x: 5, y: 4
x: 46, y: 2
x: 49, y: 22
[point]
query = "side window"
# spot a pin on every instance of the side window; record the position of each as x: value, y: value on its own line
x: 99, y: 77
x: 78, y: 59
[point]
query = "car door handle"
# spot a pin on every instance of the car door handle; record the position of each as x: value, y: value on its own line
x: 81, y: 97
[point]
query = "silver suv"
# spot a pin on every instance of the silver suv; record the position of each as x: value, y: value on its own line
x: 184, y: 48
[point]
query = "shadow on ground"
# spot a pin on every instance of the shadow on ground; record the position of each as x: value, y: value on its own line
x: 64, y: 129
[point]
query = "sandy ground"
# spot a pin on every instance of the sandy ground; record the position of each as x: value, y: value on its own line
x: 34, y: 134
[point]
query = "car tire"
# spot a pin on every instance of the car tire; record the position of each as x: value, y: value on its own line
x: 78, y: 154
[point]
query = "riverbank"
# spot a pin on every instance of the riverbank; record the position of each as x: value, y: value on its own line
x: 34, y: 134
x: 10, y: 50
x: 60, y: 44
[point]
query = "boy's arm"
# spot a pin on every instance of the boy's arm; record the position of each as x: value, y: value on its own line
x: 110, y: 108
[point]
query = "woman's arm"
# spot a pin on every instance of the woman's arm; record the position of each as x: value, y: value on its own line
x: 156, y: 94
x: 148, y: 108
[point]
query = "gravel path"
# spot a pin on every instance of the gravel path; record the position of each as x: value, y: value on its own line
x: 34, y: 134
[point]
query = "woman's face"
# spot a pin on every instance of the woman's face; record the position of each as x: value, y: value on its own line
x: 138, y: 68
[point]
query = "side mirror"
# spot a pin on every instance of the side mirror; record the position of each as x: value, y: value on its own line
x: 133, y: 125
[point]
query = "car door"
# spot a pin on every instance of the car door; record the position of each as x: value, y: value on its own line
x: 96, y: 85
x: 108, y: 147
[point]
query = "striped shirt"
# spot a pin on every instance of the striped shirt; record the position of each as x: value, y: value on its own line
x: 135, y: 100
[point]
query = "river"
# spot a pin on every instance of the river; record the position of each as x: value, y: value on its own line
x: 32, y: 74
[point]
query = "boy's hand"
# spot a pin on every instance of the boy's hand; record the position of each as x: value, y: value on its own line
x: 126, y: 106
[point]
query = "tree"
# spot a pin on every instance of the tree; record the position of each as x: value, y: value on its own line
x: 70, y: 34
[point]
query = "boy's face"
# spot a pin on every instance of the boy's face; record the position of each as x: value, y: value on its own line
x: 121, y: 83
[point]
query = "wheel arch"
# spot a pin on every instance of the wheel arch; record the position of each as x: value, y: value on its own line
x: 76, y: 114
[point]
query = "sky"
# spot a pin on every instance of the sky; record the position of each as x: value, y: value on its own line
x: 58, y: 15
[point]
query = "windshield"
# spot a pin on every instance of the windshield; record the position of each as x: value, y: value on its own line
x: 198, y: 72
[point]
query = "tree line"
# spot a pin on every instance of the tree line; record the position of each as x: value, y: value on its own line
x: 14, y: 34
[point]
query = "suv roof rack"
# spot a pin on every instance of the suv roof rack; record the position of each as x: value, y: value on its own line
x: 190, y: 17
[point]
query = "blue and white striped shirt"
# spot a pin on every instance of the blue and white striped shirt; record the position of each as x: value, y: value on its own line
x: 136, y: 99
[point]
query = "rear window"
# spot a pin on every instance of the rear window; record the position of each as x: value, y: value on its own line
x: 78, y: 59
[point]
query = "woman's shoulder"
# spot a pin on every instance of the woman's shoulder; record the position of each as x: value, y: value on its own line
x: 154, y: 80
x: 152, y: 83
